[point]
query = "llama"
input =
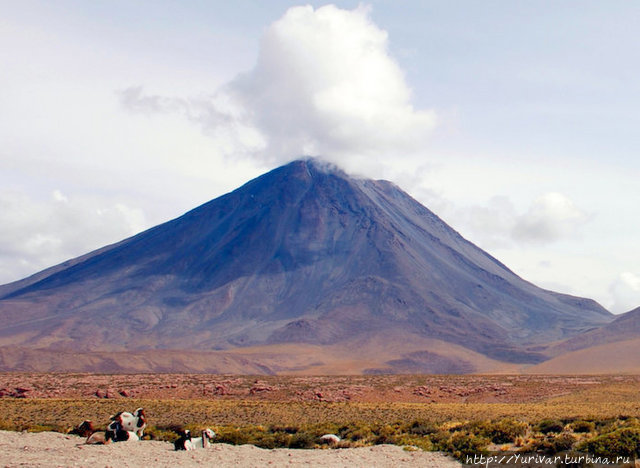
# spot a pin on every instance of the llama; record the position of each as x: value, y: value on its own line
x: 93, y: 437
x: 184, y: 442
x: 84, y: 429
x: 330, y: 439
x: 97, y: 438
x: 126, y: 421
x: 202, y: 442
x: 120, y: 435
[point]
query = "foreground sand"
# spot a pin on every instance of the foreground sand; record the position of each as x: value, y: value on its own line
x: 50, y: 449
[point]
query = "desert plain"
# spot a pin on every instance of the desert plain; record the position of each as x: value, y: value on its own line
x: 383, y: 420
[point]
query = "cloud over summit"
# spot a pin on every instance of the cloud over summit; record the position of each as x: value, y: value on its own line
x: 324, y: 84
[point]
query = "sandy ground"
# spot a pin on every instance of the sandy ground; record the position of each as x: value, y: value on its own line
x: 50, y: 449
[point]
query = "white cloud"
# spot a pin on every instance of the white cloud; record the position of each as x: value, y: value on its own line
x: 324, y: 84
x: 59, y: 196
x: 498, y: 224
x: 625, y: 291
x: 39, y: 233
x: 551, y: 217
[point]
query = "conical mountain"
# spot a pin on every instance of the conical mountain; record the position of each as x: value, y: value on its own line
x: 303, y: 254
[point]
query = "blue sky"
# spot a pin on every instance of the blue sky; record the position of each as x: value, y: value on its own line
x: 514, y: 121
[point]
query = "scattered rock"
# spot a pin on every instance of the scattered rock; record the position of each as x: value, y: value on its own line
x: 260, y: 388
x: 17, y: 392
x: 422, y: 391
x: 221, y: 390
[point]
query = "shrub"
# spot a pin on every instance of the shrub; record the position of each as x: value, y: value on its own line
x: 302, y: 440
x: 506, y: 430
x: 632, y: 422
x: 547, y: 426
x: 268, y: 441
x: 233, y: 436
x: 358, y: 432
x: 623, y: 442
x: 461, y: 444
x: 422, y: 428
x: 285, y: 429
x: 563, y: 442
x: 607, y: 425
x: 325, y: 428
x: 386, y: 434
x: 553, y: 444
x: 413, y: 441
x: 502, y: 431
x: 440, y: 439
x: 475, y: 427
x: 161, y: 433
x: 387, y: 430
x: 583, y: 426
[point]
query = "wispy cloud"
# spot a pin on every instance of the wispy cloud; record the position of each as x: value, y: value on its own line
x: 551, y: 217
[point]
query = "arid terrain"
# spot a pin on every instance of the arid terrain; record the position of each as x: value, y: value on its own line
x: 459, y: 415
x: 511, y: 389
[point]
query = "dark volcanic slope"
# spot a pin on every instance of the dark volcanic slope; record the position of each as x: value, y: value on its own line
x: 301, y: 254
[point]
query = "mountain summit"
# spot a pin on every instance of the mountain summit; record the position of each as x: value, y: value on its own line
x: 303, y: 256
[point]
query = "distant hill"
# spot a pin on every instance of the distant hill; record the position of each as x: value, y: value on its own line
x: 611, y: 348
x: 624, y: 327
x: 304, y: 256
x: 610, y: 358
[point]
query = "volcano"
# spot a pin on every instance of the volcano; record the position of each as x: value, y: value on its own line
x: 302, y: 269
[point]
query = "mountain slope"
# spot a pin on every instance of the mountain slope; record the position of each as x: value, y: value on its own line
x: 611, y: 348
x: 608, y: 348
x: 619, y: 357
x: 302, y: 254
